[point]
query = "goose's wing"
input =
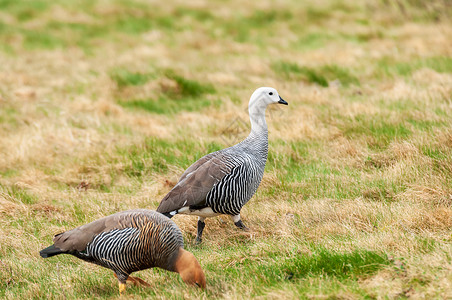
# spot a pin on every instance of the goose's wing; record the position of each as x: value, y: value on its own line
x: 78, y: 238
x: 197, y: 181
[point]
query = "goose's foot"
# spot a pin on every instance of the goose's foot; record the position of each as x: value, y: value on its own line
x: 238, y: 222
x: 138, y: 281
x: 122, y: 287
x: 122, y: 278
x: 242, y: 226
x: 134, y: 280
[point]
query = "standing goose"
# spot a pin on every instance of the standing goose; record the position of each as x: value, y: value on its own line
x: 223, y: 181
x: 130, y: 241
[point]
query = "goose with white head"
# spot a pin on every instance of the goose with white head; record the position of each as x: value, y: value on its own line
x: 222, y: 182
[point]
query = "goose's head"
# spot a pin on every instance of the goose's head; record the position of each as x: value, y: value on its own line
x: 189, y: 269
x: 262, y: 97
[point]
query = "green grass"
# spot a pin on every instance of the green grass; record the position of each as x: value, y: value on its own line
x: 26, y: 10
x: 128, y: 20
x: 308, y: 42
x: 165, y: 105
x: 8, y: 117
x: 441, y: 64
x: 274, y: 271
x: 185, y: 95
x: 187, y: 87
x: 276, y: 268
x: 321, y: 76
x: 133, y: 24
x: 123, y: 77
x: 379, y: 133
x: 157, y: 155
x: 434, y: 153
x: 42, y: 40
x: 242, y: 28
x: 104, y: 104
x: 19, y: 194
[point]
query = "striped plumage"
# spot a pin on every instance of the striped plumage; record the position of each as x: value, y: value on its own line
x: 127, y: 242
x: 243, y: 174
x: 223, y: 181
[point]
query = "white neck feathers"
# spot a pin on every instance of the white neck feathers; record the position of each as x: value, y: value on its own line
x: 256, y: 109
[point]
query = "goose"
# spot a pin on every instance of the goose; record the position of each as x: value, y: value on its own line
x: 222, y: 182
x: 130, y: 241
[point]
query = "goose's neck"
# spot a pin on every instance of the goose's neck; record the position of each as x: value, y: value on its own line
x: 257, y: 141
x: 258, y: 123
x: 258, y: 136
x: 257, y: 117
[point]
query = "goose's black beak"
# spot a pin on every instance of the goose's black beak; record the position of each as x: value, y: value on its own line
x: 282, y: 101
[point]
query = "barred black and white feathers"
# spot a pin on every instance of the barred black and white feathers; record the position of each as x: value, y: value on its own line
x: 223, y: 181
x: 130, y: 241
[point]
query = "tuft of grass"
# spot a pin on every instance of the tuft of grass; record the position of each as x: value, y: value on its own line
x: 242, y: 28
x: 158, y: 155
x: 321, y: 76
x: 293, y: 71
x: 131, y: 24
x: 24, y: 11
x: 275, y: 267
x: 9, y: 173
x: 19, y: 194
x: 378, y: 131
x: 35, y: 40
x: 165, y: 105
x: 196, y: 14
x: 184, y: 95
x: 311, y: 41
x: 434, y: 153
x: 440, y: 64
x: 273, y: 270
x: 123, y: 77
x: 343, y: 265
x: 8, y: 117
x: 187, y: 87
x: 303, y: 175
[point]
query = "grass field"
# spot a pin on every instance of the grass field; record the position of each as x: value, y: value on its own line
x: 103, y: 104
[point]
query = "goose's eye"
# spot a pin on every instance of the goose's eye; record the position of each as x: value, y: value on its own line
x: 271, y: 93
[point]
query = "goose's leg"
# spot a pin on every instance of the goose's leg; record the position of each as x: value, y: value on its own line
x: 201, y: 225
x: 138, y: 281
x: 134, y: 280
x: 122, y: 279
x: 238, y: 222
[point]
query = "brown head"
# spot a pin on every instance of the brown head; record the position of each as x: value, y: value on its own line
x: 189, y: 269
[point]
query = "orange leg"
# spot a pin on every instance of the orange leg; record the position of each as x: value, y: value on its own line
x: 122, y: 288
x: 136, y: 281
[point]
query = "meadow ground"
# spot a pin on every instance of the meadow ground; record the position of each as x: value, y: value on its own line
x: 103, y: 104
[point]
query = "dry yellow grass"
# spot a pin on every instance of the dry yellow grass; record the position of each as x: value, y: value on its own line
x: 364, y: 165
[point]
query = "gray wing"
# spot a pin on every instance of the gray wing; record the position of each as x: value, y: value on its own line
x: 78, y: 238
x: 197, y: 181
